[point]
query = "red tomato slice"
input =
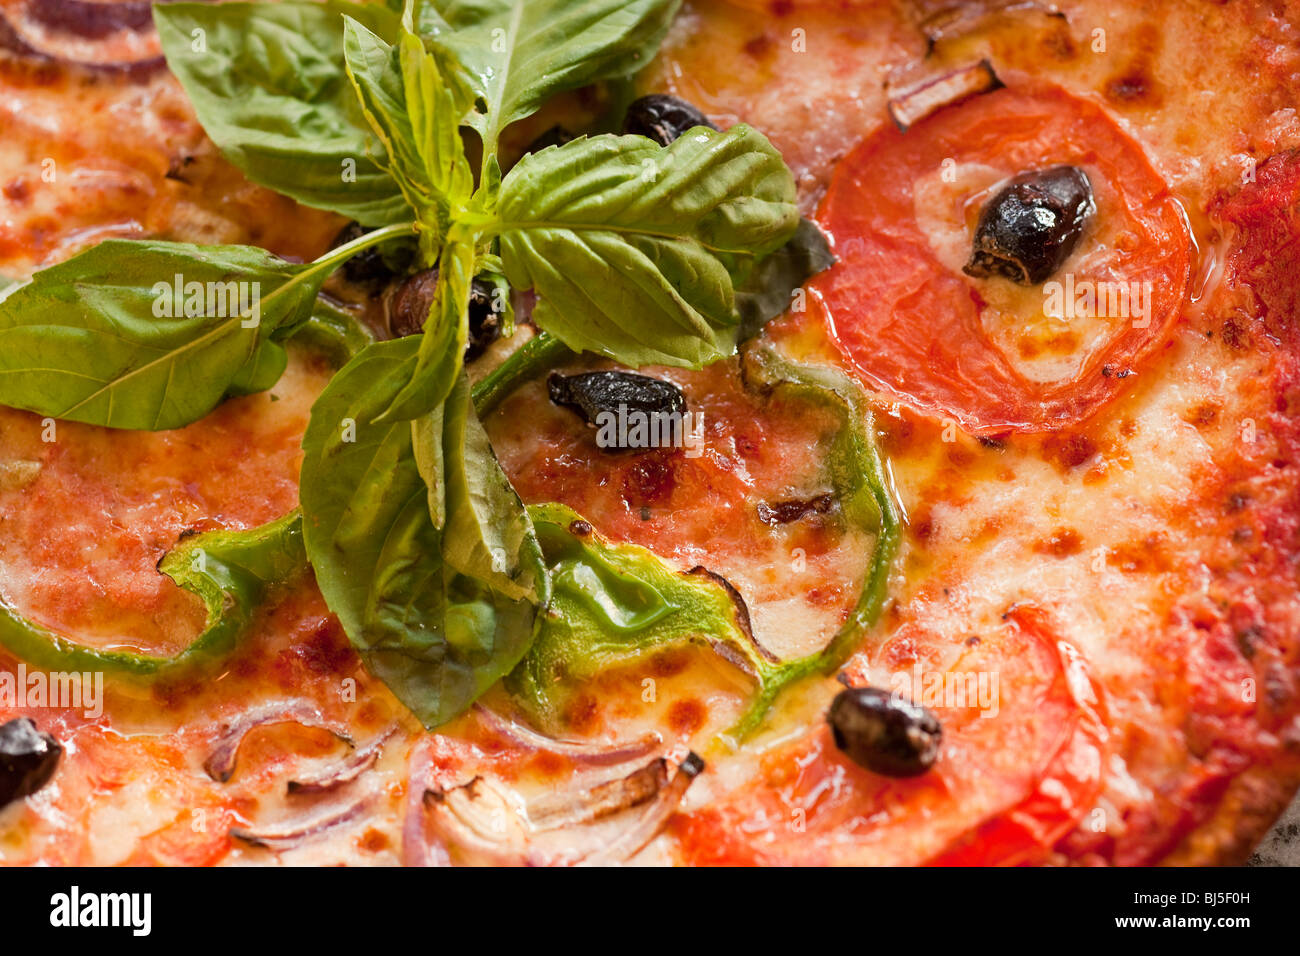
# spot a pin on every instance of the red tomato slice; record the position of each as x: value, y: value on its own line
x: 1010, y: 782
x: 1067, y: 787
x: 914, y: 327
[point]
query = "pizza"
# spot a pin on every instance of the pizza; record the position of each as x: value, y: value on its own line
x: 677, y: 432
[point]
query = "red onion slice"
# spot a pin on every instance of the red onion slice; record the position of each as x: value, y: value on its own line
x: 481, y: 820
x: 345, y: 771
x: 296, y: 833
x: 420, y: 845
x: 489, y: 824
x: 220, y: 765
x: 635, y: 838
x: 594, y: 754
x: 90, y: 20
x: 602, y: 800
x: 115, y: 38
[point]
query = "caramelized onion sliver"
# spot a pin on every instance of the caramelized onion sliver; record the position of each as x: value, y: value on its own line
x: 489, y: 824
x: 635, y: 838
x: 916, y: 102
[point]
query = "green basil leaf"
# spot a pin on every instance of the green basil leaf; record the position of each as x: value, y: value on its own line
x: 436, y: 636
x: 267, y: 81
x: 520, y: 52
x: 489, y: 536
x: 613, y: 603
x: 442, y: 344
x: 231, y: 571
x: 768, y: 290
x: 415, y: 115
x: 150, y: 335
x: 633, y: 248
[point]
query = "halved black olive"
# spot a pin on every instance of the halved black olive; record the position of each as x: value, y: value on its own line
x: 883, y: 732
x: 555, y: 136
x: 662, y: 118
x: 27, y: 759
x: 784, y: 512
x: 1032, y: 225
x: 370, y: 266
x: 414, y: 297
x: 591, y: 393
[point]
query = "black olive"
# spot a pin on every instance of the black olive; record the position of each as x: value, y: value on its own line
x: 784, y: 512
x: 414, y: 297
x: 370, y: 266
x: 883, y: 732
x: 410, y: 305
x: 1032, y: 225
x: 591, y: 393
x: 27, y: 759
x: 484, y: 319
x: 663, y: 118
x: 555, y: 136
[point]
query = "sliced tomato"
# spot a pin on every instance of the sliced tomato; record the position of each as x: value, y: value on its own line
x: 1064, y: 791
x: 1012, y: 778
x: 914, y: 327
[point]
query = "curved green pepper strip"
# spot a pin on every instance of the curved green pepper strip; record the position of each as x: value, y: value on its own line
x: 611, y: 603
x: 231, y: 571
x: 334, y: 332
x: 864, y: 492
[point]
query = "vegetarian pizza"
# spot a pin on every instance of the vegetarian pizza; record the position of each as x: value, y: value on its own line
x: 773, y: 432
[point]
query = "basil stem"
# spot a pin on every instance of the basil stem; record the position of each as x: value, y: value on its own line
x: 539, y: 354
x: 341, y: 254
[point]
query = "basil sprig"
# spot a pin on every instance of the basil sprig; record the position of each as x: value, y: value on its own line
x: 436, y: 581
x: 412, y: 110
x: 150, y: 335
x: 419, y: 543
